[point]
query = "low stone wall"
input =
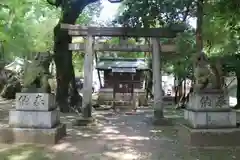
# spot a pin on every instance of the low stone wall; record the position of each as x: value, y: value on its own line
x: 105, y: 96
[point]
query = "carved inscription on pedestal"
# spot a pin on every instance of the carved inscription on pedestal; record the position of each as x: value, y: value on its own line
x: 38, y: 101
x: 23, y: 100
x: 221, y: 101
x: 205, y: 102
x: 34, y: 101
x: 213, y: 101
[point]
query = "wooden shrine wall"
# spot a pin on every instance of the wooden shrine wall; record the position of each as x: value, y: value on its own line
x: 123, y: 78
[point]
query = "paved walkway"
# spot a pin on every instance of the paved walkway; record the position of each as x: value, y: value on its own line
x: 118, y: 137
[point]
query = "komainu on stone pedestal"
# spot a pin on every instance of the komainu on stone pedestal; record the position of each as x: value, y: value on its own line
x: 207, y: 75
x: 210, y: 109
x: 35, y: 120
x: 208, y: 105
x: 36, y: 74
x: 209, y: 118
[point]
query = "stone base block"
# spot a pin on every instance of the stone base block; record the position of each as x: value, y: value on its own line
x: 210, y: 119
x: 158, y: 113
x: 159, y: 119
x: 238, y: 116
x: 105, y: 96
x: 162, y: 122
x: 227, y: 137
x: 33, y: 119
x: 84, y: 121
x: 30, y: 135
x: 103, y: 108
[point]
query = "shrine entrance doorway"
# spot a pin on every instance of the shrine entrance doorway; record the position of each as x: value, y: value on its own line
x: 123, y: 89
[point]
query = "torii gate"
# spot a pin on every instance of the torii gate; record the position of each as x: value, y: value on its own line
x: 155, y: 47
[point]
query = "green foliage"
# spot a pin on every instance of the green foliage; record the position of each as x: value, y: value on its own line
x: 26, y: 26
x: 154, y: 13
x: 163, y: 13
x: 131, y: 41
x: 186, y: 47
x: 221, y: 33
x: 220, y: 29
x: 78, y: 59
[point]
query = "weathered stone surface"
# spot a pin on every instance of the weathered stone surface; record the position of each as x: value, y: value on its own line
x: 10, y: 89
x: 35, y: 101
x: 238, y: 116
x: 32, y: 135
x: 158, y: 113
x: 40, y: 119
x: 208, y: 100
x: 81, y: 121
x: 209, y: 137
x: 36, y: 73
x: 106, y: 94
x: 208, y: 119
x: 162, y: 121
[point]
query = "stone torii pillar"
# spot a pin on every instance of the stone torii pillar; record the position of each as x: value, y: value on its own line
x: 157, y: 80
x: 88, y: 78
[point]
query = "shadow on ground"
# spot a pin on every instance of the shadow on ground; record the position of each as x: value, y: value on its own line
x: 117, y: 136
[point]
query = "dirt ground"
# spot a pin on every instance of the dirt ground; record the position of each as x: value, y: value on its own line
x: 116, y: 137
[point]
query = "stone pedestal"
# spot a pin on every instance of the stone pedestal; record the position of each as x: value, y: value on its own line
x: 35, y: 120
x: 208, y: 114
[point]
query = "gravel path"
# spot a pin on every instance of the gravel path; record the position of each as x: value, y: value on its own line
x: 117, y: 137
x: 132, y: 137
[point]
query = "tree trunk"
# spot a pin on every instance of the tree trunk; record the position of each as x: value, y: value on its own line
x: 149, y: 83
x: 184, y: 92
x: 180, y: 90
x: 175, y: 90
x: 199, y: 40
x: 238, y: 90
x: 64, y: 67
x: 176, y: 95
x: 63, y: 58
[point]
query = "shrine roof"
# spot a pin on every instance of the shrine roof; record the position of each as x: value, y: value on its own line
x: 109, y: 63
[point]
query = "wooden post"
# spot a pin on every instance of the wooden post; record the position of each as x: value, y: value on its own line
x: 157, y: 79
x: 88, y: 78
